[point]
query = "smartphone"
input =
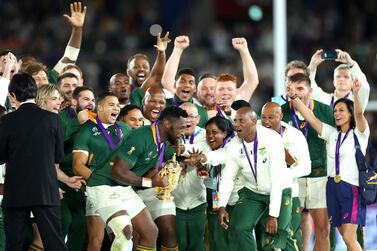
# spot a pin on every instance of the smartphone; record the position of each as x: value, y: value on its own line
x: 329, y: 55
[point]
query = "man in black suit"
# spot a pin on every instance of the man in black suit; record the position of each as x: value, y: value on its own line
x: 31, y: 142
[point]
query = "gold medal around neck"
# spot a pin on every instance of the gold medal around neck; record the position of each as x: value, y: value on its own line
x: 337, y: 178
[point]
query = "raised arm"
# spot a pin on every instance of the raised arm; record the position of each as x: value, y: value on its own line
x: 249, y: 69
x: 159, y: 65
x: 72, y: 50
x: 318, y: 93
x: 171, y: 68
x: 303, y: 110
x: 360, y: 120
x: 7, y: 65
x: 357, y: 74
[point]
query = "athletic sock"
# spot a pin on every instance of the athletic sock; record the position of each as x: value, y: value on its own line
x: 34, y: 247
x: 163, y: 248
x: 145, y: 248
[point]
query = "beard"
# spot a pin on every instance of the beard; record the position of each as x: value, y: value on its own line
x: 79, y: 108
x: 172, y: 140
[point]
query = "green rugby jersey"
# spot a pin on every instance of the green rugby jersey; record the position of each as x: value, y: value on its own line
x: 91, y: 140
x: 139, y: 150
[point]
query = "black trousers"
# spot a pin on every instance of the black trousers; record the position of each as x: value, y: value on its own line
x: 48, y: 222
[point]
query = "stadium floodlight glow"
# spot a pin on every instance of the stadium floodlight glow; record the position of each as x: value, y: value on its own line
x: 155, y: 29
x: 255, y: 13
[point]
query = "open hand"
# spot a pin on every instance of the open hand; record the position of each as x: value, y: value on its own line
x: 162, y: 42
x: 272, y: 225
x: 77, y: 17
x: 223, y: 217
x: 75, y: 182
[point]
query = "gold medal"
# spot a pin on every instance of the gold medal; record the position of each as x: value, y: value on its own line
x: 337, y: 178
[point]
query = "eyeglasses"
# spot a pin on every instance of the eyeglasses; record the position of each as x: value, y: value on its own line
x: 192, y: 116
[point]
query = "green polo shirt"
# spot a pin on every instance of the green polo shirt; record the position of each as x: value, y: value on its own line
x: 317, y: 146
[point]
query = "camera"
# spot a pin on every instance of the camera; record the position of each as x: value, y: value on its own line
x: 329, y: 55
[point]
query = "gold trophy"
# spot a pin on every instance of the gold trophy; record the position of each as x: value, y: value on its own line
x: 171, y: 170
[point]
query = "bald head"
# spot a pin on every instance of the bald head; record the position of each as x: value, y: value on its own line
x: 154, y: 90
x: 272, y: 116
x: 248, y: 111
x: 272, y: 106
x: 120, y: 86
x: 118, y: 76
x: 245, y: 123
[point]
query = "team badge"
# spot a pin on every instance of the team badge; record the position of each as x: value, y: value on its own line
x: 286, y: 144
x: 131, y: 150
x: 262, y: 151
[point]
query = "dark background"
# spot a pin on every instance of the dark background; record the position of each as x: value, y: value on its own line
x: 116, y: 29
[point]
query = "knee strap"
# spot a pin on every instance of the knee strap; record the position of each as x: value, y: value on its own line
x: 117, y: 224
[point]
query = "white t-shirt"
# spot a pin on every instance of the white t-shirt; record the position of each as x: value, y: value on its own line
x: 348, y: 168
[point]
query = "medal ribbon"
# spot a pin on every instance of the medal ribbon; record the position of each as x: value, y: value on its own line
x: 296, y: 120
x: 255, y: 153
x: 71, y: 113
x: 224, y: 143
x: 285, y: 97
x: 281, y: 131
x: 106, y: 134
x: 175, y: 102
x: 218, y: 177
x: 191, y: 140
x: 339, y: 142
x: 219, y: 112
x: 160, y: 149
x: 333, y: 99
